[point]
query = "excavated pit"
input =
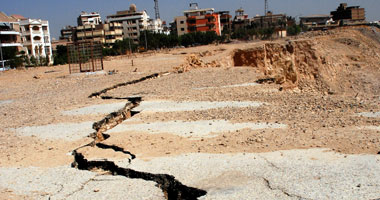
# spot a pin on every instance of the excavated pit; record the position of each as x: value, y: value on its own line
x: 294, y: 64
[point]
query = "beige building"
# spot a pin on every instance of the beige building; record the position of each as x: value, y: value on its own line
x: 92, y: 18
x: 181, y: 25
x: 134, y: 22
x: 107, y: 33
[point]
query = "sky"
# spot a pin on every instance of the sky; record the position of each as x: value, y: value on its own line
x: 60, y: 13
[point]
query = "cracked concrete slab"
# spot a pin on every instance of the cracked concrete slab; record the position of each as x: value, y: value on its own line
x: 193, y: 129
x: 370, y: 114
x: 375, y: 128
x: 62, y: 131
x: 96, y: 109
x: 172, y: 106
x: 4, y: 102
x: 293, y: 174
x: 228, y: 86
x: 68, y: 183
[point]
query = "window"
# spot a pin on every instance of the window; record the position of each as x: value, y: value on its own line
x: 47, y: 51
x: 182, y: 29
x: 182, y: 22
x: 36, y: 28
x: 37, y: 38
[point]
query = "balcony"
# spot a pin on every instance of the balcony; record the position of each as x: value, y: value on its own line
x: 9, y: 32
x: 11, y: 44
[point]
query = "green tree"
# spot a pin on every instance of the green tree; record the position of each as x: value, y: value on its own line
x: 293, y: 30
x: 60, y: 55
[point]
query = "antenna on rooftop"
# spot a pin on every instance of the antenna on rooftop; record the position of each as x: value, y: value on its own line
x: 266, y: 7
x: 156, y: 9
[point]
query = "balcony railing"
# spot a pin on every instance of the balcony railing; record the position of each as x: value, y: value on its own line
x: 9, y: 32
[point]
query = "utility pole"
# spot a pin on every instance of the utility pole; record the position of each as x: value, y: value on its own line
x: 146, y: 42
x: 1, y: 55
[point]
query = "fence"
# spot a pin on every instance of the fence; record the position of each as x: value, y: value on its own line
x: 85, y: 56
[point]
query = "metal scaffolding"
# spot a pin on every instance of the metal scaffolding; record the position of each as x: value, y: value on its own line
x: 85, y: 56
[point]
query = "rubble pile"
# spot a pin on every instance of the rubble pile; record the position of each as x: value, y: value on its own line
x: 193, y: 62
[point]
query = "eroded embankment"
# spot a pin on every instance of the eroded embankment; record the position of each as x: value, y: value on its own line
x: 294, y: 64
x: 172, y: 188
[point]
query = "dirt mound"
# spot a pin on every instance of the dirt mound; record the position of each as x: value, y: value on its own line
x: 294, y: 64
x: 193, y: 61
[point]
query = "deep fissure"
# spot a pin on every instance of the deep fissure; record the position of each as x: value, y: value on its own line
x: 116, y: 149
x: 172, y: 188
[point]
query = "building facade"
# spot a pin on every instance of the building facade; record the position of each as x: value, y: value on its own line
x: 353, y: 13
x: 241, y: 19
x: 107, y: 33
x: 9, y: 37
x: 92, y: 18
x: 67, y: 33
x: 197, y: 20
x: 133, y: 22
x: 36, y: 38
x: 315, y: 20
x: 180, y: 25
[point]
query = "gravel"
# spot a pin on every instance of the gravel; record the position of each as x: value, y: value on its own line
x: 194, y: 129
x: 62, y: 131
x: 172, y: 106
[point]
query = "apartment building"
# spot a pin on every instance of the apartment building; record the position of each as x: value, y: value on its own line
x: 353, y: 13
x: 241, y: 19
x: 92, y: 18
x: 179, y: 25
x: 225, y: 20
x: 133, y: 22
x: 36, y: 38
x: 107, y: 33
x: 113, y: 31
x: 9, y: 36
x: 315, y: 20
x: 67, y: 33
x: 202, y: 20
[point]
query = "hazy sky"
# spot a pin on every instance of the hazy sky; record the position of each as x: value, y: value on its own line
x: 64, y: 12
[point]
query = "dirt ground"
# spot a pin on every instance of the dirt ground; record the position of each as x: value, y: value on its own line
x: 316, y: 84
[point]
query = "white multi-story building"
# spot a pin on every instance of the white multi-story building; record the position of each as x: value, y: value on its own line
x: 92, y: 18
x: 134, y: 22
x: 36, y: 38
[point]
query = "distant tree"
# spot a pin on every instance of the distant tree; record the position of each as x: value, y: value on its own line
x: 293, y: 30
x: 60, y: 55
x: 122, y: 47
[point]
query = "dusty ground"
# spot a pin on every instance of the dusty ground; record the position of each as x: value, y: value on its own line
x: 325, y: 79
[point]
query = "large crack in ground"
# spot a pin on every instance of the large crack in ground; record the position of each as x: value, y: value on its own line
x: 172, y: 188
x: 145, y: 78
